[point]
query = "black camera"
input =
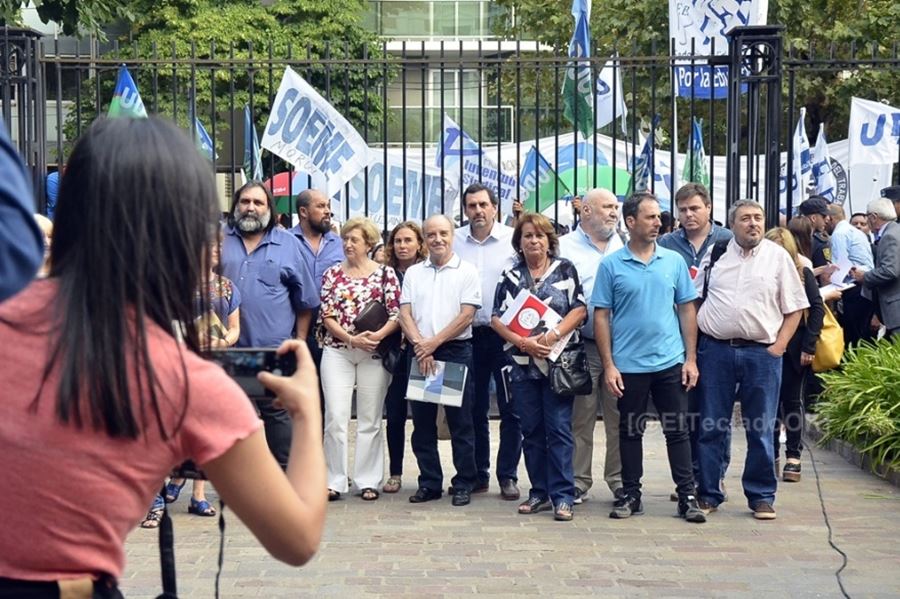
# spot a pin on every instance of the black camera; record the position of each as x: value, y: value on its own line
x: 242, y: 365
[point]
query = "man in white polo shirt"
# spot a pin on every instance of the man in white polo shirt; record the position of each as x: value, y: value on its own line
x: 753, y: 305
x: 437, y: 306
x: 487, y: 244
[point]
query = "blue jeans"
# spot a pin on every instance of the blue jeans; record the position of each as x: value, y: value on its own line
x: 548, y: 443
x: 694, y: 427
x: 488, y: 357
x: 424, y: 439
x: 757, y: 375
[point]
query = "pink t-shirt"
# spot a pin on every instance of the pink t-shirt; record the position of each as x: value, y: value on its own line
x: 72, y: 495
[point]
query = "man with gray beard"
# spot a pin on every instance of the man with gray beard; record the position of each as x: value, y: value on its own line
x: 277, y: 290
x: 593, y: 239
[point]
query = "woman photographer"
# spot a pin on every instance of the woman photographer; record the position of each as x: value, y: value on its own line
x: 104, y: 390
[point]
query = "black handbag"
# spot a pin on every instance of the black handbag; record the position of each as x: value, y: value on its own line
x: 373, y: 317
x: 569, y: 374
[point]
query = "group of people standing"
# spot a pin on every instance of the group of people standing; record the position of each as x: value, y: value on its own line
x: 694, y: 320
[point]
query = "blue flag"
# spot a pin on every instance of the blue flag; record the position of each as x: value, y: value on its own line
x: 643, y: 167
x: 695, y: 162
x: 252, y: 158
x: 126, y: 100
x: 578, y: 93
x: 203, y: 140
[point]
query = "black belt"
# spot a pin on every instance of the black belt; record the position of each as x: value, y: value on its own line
x: 739, y: 342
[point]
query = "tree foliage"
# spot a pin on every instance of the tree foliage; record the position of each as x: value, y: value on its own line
x: 641, y: 28
x: 212, y: 56
x: 76, y: 17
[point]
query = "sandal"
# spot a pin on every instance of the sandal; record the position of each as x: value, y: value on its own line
x: 201, y: 507
x: 173, y: 491
x: 392, y: 485
x: 152, y: 520
x: 369, y: 494
x: 533, y: 505
x: 333, y: 495
x: 563, y: 512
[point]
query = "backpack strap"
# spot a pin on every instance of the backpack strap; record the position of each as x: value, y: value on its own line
x: 715, y: 253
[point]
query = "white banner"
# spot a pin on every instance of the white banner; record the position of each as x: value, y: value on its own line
x: 305, y: 130
x: 693, y: 25
x: 874, y: 132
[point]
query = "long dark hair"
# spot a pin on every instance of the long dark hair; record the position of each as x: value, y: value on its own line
x: 135, y: 216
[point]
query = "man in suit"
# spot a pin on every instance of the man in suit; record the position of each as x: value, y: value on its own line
x: 883, y: 281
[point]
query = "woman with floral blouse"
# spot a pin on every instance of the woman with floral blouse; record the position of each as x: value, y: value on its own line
x: 349, y: 359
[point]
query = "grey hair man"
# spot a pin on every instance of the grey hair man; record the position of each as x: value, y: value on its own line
x: 593, y: 239
x: 882, y: 283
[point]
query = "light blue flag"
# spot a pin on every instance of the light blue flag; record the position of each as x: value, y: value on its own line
x: 126, y: 100
x: 642, y: 171
x: 823, y: 177
x: 203, y: 140
x: 578, y: 93
x: 797, y: 182
x: 252, y: 158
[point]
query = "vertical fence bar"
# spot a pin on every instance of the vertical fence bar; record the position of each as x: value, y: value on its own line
x: 231, y: 109
x: 789, y: 173
x: 615, y: 122
x: 212, y: 105
x: 366, y: 90
x: 711, y: 127
x: 653, y: 116
x: 424, y: 70
x: 174, y: 82
x: 441, y: 128
x: 556, y: 92
x: 537, y: 127
x: 384, y: 131
x: 499, y: 135
x: 403, y: 121
x: 461, y: 124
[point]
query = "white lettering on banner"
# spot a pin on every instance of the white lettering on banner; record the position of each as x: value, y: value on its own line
x: 307, y: 131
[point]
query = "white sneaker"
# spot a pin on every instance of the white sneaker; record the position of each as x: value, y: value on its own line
x: 580, y: 496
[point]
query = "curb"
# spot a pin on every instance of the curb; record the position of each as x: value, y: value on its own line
x: 849, y: 452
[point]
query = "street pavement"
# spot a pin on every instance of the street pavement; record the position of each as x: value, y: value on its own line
x: 393, y: 548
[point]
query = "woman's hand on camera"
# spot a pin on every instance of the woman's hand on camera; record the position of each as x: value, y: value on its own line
x: 298, y: 393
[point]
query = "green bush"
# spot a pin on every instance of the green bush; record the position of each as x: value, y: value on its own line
x: 861, y: 401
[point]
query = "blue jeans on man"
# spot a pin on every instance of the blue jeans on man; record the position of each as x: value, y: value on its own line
x: 424, y: 439
x: 548, y: 444
x: 488, y: 357
x: 757, y: 376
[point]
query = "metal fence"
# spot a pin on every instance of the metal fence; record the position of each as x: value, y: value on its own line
x: 503, y: 94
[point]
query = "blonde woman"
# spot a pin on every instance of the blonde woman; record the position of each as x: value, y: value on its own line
x: 797, y: 359
x: 350, y: 359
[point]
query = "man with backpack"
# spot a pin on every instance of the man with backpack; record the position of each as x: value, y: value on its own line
x: 696, y: 241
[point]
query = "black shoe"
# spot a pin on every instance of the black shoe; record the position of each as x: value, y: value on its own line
x: 422, y: 495
x: 580, y: 496
x: 478, y: 488
x: 461, y: 497
x: 791, y: 473
x: 509, y: 490
x: 690, y: 510
x: 626, y: 507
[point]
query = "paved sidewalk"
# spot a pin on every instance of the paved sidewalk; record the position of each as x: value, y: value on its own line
x: 393, y: 548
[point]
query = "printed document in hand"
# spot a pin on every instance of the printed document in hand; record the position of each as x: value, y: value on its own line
x: 444, y: 387
x: 528, y: 316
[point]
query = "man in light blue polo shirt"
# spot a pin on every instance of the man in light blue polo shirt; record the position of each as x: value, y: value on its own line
x: 645, y: 324
x: 277, y: 291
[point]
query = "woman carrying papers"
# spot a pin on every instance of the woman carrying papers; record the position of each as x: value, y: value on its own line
x: 546, y: 416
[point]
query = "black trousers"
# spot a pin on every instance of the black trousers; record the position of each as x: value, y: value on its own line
x: 396, y: 411
x: 790, y: 407
x: 671, y: 401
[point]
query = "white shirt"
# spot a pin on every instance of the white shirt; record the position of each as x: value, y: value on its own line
x: 580, y: 250
x: 749, y: 296
x: 436, y: 295
x: 491, y: 257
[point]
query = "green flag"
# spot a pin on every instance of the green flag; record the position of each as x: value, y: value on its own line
x: 695, y: 162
